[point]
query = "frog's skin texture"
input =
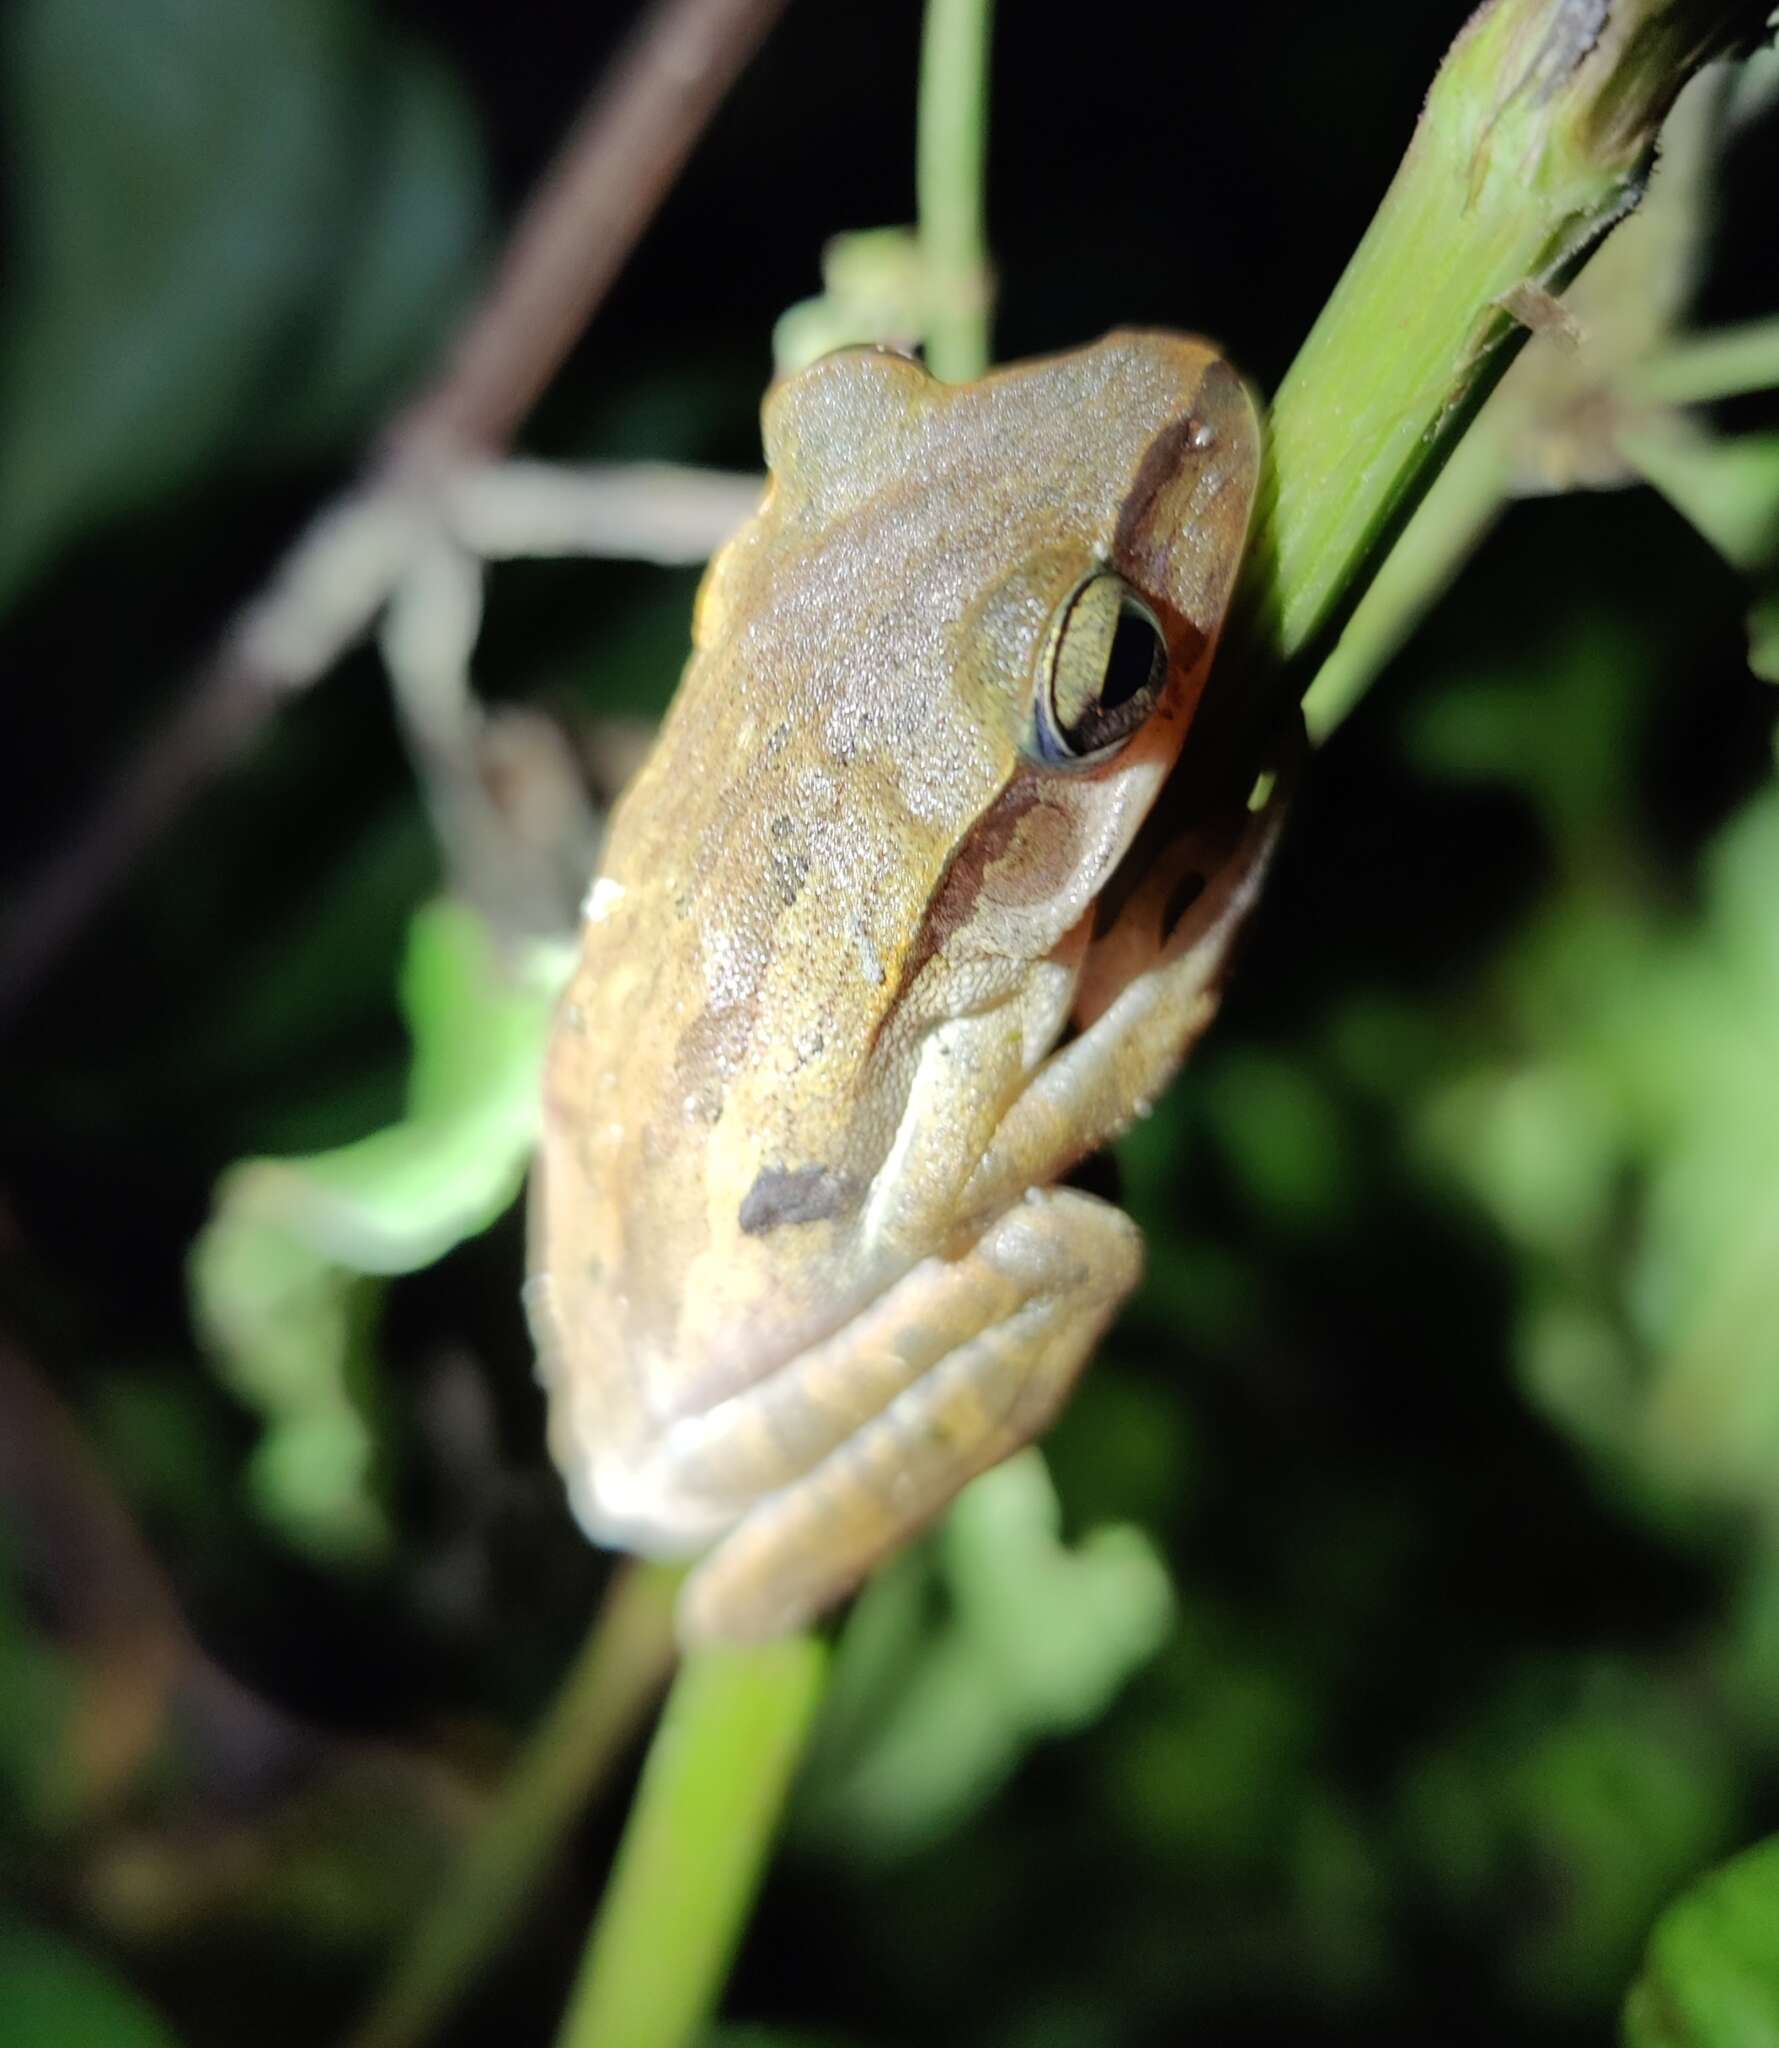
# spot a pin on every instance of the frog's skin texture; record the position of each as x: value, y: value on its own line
x: 800, y: 1268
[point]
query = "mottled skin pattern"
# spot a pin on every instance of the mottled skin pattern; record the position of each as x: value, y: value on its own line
x: 799, y: 1270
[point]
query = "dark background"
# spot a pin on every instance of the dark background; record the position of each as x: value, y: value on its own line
x: 1446, y: 1716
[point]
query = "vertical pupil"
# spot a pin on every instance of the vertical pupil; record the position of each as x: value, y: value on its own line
x: 1130, y: 665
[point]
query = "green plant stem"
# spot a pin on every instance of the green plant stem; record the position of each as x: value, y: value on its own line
x: 1723, y: 488
x: 1712, y: 366
x: 1537, y: 135
x: 696, y: 1845
x: 951, y: 145
x: 1469, y: 496
x: 609, y: 1688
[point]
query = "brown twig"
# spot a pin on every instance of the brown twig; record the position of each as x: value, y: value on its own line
x: 574, y: 235
x: 619, y: 162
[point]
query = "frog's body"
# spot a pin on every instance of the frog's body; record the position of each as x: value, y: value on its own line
x: 800, y: 1270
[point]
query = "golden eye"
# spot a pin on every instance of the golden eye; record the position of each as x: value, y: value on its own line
x: 1105, y: 666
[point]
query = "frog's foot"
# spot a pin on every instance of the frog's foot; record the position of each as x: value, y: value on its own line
x: 970, y: 1357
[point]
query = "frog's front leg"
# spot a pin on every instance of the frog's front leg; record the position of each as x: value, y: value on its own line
x: 854, y: 1448
x: 970, y: 1358
x: 1148, y: 995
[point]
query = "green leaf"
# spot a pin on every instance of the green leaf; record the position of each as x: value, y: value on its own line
x: 1711, y: 1976
x: 1565, y: 732
x: 399, y: 1199
x: 1040, y: 1639
x: 53, y: 1995
x: 281, y: 1275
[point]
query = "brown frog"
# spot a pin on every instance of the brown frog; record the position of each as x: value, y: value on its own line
x: 851, y: 997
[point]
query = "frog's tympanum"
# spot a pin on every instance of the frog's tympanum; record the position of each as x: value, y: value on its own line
x: 854, y: 991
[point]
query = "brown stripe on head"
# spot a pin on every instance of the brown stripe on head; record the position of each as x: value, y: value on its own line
x: 1023, y: 851
x: 1185, y: 516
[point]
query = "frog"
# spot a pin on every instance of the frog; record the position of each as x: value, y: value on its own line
x: 878, y: 951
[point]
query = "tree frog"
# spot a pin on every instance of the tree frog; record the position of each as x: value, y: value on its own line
x: 865, y: 969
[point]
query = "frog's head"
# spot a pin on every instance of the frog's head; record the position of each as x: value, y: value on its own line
x: 938, y: 682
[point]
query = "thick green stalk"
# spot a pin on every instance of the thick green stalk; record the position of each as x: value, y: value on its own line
x: 706, y: 1812
x: 1453, y: 519
x: 600, y: 1706
x: 1536, y: 136
x: 951, y: 147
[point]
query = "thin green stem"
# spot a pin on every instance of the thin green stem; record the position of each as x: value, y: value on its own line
x: 1723, y: 488
x: 696, y: 1845
x: 951, y: 147
x: 608, y: 1690
x: 1706, y: 367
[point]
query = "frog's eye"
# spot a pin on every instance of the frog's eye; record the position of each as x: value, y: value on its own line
x: 1105, y: 664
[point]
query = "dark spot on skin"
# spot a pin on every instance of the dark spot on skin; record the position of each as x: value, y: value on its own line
x: 796, y: 1194
x: 1184, y: 894
x: 788, y: 863
x: 788, y: 871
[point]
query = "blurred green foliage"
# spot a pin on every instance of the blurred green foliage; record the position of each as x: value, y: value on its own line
x: 239, y: 227
x: 928, y: 1716
x: 1624, y: 1134
x: 285, y: 1275
x: 52, y: 1993
x: 1713, y: 1969
x: 1398, y: 1645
